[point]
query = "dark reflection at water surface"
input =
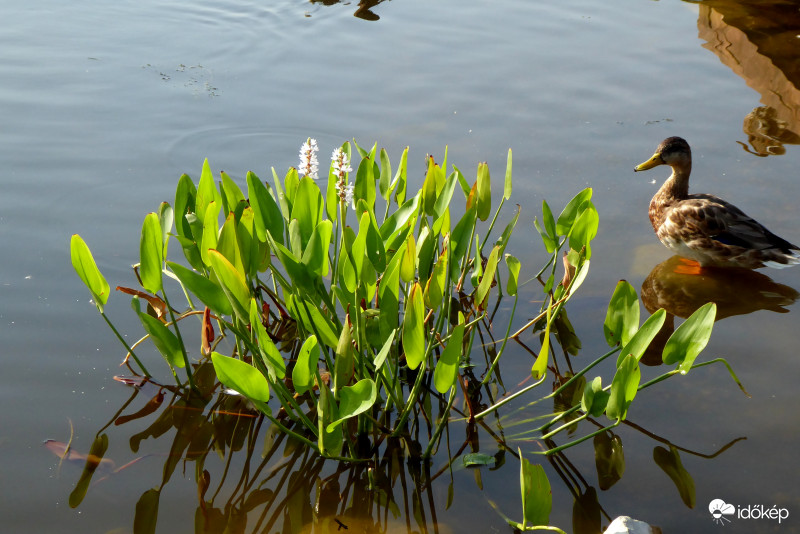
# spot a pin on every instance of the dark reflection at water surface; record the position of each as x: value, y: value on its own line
x: 735, y: 292
x: 759, y: 42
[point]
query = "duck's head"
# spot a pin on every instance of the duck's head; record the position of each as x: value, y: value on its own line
x: 673, y: 151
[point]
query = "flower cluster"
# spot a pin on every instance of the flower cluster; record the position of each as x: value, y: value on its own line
x: 308, y: 159
x: 341, y: 166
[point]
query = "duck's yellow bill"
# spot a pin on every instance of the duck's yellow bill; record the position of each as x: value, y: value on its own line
x: 650, y: 163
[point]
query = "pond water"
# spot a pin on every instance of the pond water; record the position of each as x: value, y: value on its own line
x: 104, y: 105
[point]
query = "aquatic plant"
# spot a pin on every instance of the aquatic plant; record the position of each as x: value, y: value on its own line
x: 348, y: 337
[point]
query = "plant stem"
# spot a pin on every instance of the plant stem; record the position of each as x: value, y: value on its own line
x: 125, y: 344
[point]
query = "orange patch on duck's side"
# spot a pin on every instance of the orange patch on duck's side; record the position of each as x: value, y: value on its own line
x: 688, y: 266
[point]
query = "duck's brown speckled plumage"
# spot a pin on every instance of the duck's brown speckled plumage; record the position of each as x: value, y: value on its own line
x: 705, y: 228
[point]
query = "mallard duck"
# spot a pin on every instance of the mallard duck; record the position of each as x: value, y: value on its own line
x: 704, y: 228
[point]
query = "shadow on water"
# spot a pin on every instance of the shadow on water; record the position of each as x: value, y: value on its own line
x: 735, y: 291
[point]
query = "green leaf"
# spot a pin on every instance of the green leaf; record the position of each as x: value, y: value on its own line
x: 228, y: 243
x: 507, y: 185
x: 185, y: 195
x: 408, y: 259
x: 643, y: 337
x: 210, y: 293
x: 241, y: 377
x: 435, y: 289
x: 268, y: 216
x: 87, y: 270
x: 426, y: 248
x: 670, y: 462
x: 210, y: 231
x: 329, y: 442
x: 151, y: 254
x: 354, y: 400
x: 206, y: 192
x: 269, y: 352
x: 441, y: 209
x: 364, y: 187
x: 488, y: 276
x: 429, y: 188
x: 584, y: 229
x: 537, y: 498
x: 414, y: 328
x: 376, y: 253
x: 386, y: 173
x: 399, y: 182
x: 571, y: 211
x: 690, y: 338
x: 623, y: 388
x: 514, y: 267
x: 475, y: 459
x: 594, y: 399
x: 315, y: 256
x: 380, y: 358
x: 307, y: 208
x: 165, y: 219
x: 444, y: 376
x: 484, y: 192
x: 460, y: 239
x: 165, y: 341
x: 312, y: 320
x: 233, y: 193
x: 233, y: 283
x: 622, y: 316
x: 400, y: 217
x: 343, y: 365
x: 303, y: 373
x: 389, y: 297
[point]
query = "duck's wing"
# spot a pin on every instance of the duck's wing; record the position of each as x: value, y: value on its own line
x: 725, y: 223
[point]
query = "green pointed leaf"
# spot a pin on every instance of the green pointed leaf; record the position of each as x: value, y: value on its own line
x: 380, y: 358
x: 488, y: 277
x: 460, y: 239
x: 206, y: 192
x: 408, y: 259
x: 429, y: 188
x: 233, y: 283
x: 414, y: 328
x: 643, y: 337
x: 210, y: 231
x: 303, y: 374
x: 584, y: 229
x: 514, y: 267
x: 330, y: 443
x: 151, y: 254
x: 594, y: 399
x: 165, y: 219
x: 241, y: 377
x: 435, y: 290
x: 622, y: 316
x: 233, y: 194
x: 399, y: 182
x: 690, y: 338
x: 87, y: 270
x: 269, y: 352
x: 441, y: 209
x: 444, y: 376
x: 228, y: 243
x: 397, y: 220
x: 343, y: 365
x: 364, y: 187
x: 146, y: 516
x: 507, y: 185
x: 165, y: 341
x: 389, y: 298
x: 571, y: 212
x: 484, y: 192
x: 268, y: 217
x: 386, y: 173
x: 312, y: 320
x: 354, y: 400
x: 623, y: 388
x: 315, y: 256
x: 210, y: 293
x: 307, y: 208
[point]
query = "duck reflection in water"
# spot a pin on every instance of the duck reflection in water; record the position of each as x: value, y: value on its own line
x: 735, y: 292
